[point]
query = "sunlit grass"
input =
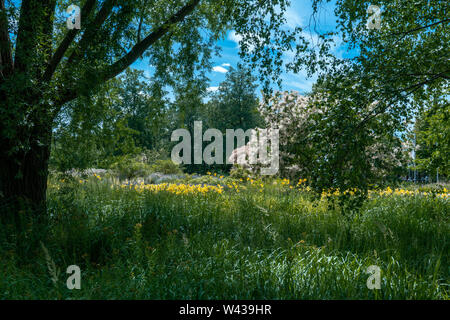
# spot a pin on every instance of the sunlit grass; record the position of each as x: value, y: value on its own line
x: 239, y: 239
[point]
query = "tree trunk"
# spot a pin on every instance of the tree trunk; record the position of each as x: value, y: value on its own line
x: 23, y: 177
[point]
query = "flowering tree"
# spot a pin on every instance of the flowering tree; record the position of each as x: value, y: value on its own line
x: 290, y: 113
x: 319, y: 139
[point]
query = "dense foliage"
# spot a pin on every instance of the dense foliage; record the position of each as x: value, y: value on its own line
x: 86, y: 176
x: 432, y: 130
x: 247, y: 240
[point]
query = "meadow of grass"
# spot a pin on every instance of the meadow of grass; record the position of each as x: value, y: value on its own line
x: 241, y: 240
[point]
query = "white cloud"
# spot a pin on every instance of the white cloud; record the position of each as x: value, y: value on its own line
x: 293, y: 19
x: 226, y: 65
x: 304, y: 86
x: 219, y: 69
x: 289, y: 55
x: 312, y: 37
x: 235, y: 37
x: 299, y: 81
x: 212, y: 89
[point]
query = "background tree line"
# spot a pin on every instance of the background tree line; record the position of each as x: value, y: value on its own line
x: 132, y: 115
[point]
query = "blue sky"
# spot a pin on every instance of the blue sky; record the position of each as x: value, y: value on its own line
x: 298, y: 14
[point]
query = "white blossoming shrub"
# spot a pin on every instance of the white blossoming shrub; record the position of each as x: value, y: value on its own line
x: 318, y: 138
x: 321, y: 140
x: 290, y: 112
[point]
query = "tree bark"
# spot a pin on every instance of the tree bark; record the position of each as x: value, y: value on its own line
x: 23, y: 177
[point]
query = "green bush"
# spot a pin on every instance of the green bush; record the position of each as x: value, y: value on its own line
x: 129, y: 168
x: 206, y: 180
x: 154, y: 155
x: 166, y: 167
x: 238, y: 172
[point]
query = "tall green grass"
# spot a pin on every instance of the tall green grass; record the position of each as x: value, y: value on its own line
x: 275, y: 244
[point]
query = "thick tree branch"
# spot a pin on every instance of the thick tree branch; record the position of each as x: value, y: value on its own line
x: 6, y: 61
x: 404, y: 33
x: 64, y: 95
x: 123, y: 63
x: 35, y: 24
x: 68, y: 39
x: 111, y: 71
x: 91, y: 30
x: 444, y: 75
x: 47, y: 29
x: 381, y: 108
x: 141, y: 21
x: 25, y: 36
